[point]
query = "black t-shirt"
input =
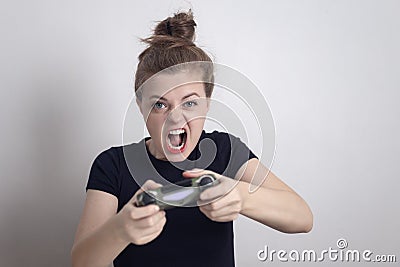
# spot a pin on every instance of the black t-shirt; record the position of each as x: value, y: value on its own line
x: 189, y: 238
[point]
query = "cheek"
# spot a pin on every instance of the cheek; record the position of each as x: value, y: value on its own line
x: 197, y: 125
x: 155, y: 123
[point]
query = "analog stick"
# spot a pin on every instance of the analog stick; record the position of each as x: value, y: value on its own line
x: 205, y: 180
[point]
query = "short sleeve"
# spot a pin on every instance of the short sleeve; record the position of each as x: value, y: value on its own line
x: 104, y: 173
x: 240, y: 154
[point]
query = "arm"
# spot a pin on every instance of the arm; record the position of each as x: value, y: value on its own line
x: 102, y: 233
x: 96, y: 243
x: 273, y: 204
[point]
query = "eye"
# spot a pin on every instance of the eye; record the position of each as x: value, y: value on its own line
x: 159, y: 105
x: 189, y: 104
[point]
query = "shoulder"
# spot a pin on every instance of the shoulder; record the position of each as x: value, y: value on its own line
x: 111, y: 151
x: 107, y: 164
x: 216, y: 135
x: 116, y: 153
x: 221, y: 138
x: 112, y: 159
x: 111, y: 154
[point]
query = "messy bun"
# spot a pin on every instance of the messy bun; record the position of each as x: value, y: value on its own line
x: 174, y: 31
x: 171, y: 44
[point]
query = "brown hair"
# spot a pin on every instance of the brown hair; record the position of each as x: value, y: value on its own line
x: 170, y: 45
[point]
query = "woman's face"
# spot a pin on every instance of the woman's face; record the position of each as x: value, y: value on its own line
x: 174, y: 109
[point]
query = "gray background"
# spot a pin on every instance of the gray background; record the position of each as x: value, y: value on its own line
x: 329, y: 69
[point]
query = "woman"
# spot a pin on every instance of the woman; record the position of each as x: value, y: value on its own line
x: 114, y: 229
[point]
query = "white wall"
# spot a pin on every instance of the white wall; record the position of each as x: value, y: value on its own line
x: 329, y: 70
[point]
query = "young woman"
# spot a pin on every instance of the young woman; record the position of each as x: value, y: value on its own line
x: 113, y: 229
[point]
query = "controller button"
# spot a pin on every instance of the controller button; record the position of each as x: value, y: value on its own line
x: 205, y: 180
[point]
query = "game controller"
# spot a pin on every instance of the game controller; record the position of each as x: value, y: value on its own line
x: 183, y: 193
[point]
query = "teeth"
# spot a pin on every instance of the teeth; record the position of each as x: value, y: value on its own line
x: 178, y: 131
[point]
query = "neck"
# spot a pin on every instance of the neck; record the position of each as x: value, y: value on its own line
x: 153, y: 151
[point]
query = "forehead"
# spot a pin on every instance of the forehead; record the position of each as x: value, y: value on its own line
x: 171, y: 85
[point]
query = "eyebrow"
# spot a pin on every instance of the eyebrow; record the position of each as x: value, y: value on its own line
x: 163, y: 98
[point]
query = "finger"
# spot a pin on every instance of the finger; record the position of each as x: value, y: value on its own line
x: 193, y: 173
x: 133, y: 199
x: 150, y: 221
x: 218, y: 203
x: 209, y: 203
x: 213, y: 205
x: 213, y: 192
x: 228, y: 218
x: 145, y: 211
x: 222, y: 215
x: 223, y: 188
x: 151, y: 232
x: 229, y: 200
x: 224, y: 211
x: 150, y: 185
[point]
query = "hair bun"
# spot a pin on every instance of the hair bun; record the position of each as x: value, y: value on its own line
x: 172, y: 45
x: 174, y: 31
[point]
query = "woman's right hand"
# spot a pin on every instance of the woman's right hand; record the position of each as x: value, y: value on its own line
x: 140, y: 225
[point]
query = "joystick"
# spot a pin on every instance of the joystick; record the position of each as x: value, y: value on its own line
x: 183, y: 193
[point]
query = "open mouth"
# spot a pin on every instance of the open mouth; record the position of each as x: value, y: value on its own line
x: 176, y: 140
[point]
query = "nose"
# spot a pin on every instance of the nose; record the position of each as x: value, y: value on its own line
x: 175, y: 115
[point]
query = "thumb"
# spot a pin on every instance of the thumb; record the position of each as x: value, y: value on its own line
x: 148, y: 185
x: 193, y: 173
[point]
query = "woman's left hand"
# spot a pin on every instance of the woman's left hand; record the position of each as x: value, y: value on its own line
x: 224, y: 202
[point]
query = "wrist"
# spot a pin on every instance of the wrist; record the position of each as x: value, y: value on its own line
x: 243, y: 188
x: 117, y: 229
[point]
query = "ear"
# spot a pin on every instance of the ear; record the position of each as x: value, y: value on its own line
x: 139, y: 103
